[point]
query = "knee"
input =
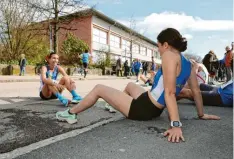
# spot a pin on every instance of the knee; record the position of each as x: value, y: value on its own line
x: 129, y: 85
x: 98, y: 86
x: 65, y: 78
x: 189, y: 94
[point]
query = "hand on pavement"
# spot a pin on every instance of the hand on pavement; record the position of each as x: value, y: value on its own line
x: 174, y: 134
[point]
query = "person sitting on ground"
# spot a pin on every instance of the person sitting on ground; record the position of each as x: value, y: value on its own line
x: 201, y: 72
x: 148, y: 81
x: 212, y: 95
x: 137, y: 104
x: 50, y: 88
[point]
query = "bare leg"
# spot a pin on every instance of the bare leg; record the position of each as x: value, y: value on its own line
x: 134, y: 90
x: 48, y: 90
x: 119, y: 100
x: 143, y: 78
x: 67, y: 82
x: 185, y: 93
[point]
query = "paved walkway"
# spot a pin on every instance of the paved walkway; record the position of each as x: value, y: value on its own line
x: 36, y: 78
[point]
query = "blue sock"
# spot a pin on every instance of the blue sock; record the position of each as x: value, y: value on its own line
x: 59, y: 96
x: 62, y: 99
x: 74, y: 94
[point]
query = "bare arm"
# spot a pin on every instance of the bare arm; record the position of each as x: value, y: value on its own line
x: 193, y: 85
x: 62, y: 71
x: 169, y: 66
x: 43, y: 77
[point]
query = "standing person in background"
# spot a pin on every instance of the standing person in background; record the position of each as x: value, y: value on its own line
x: 132, y: 68
x: 126, y: 68
x: 153, y: 65
x: 144, y: 67
x: 232, y: 56
x: 137, y: 67
x: 22, y: 64
x: 119, y: 67
x: 209, y: 61
x: 228, y: 59
x: 85, y: 60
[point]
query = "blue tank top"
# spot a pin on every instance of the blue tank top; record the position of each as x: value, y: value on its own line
x: 226, y: 93
x: 137, y: 66
x: 85, y: 57
x: 52, y: 75
x: 157, y: 90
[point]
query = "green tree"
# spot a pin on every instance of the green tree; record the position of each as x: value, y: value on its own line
x: 18, y: 31
x: 54, y: 10
x: 71, y: 49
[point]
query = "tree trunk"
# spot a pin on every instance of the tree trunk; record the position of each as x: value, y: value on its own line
x: 56, y: 21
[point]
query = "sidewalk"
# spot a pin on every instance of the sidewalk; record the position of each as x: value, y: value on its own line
x: 36, y: 78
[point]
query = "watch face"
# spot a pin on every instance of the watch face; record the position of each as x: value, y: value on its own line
x: 176, y: 124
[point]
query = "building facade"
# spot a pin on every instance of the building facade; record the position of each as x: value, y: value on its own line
x: 104, y: 34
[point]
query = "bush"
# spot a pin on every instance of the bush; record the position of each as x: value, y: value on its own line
x: 71, y: 49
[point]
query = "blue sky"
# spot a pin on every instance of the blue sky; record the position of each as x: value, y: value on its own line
x: 207, y: 24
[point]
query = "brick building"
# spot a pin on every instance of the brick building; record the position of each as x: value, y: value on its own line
x: 104, y: 34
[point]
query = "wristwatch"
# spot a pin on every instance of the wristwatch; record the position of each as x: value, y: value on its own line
x: 177, y: 124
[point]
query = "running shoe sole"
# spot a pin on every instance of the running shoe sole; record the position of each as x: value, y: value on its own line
x: 70, y: 121
x: 75, y: 101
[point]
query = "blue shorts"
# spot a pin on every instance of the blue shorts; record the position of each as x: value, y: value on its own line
x: 136, y: 72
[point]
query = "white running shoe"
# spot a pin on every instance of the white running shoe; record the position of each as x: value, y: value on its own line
x: 109, y: 108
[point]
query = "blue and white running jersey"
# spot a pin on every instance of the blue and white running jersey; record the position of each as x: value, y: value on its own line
x: 52, y: 75
x: 157, y: 90
x: 226, y: 93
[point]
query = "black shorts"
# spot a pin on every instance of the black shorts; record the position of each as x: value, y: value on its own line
x: 45, y: 98
x: 143, y: 109
x: 148, y: 81
x: 85, y: 65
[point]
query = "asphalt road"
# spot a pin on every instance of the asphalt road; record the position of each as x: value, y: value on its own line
x: 128, y: 139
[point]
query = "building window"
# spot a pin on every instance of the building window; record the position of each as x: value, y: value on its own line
x: 157, y: 55
x: 135, y: 48
x: 149, y: 52
x: 115, y: 41
x: 99, y: 36
x: 126, y: 45
x: 143, y: 50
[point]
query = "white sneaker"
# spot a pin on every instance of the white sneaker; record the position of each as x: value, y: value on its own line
x: 112, y: 110
x: 109, y: 108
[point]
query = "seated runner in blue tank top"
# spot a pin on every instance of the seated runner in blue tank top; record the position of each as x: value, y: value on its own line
x: 137, y: 104
x: 50, y: 88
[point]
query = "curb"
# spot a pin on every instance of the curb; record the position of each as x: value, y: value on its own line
x: 75, y: 78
